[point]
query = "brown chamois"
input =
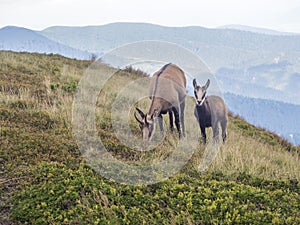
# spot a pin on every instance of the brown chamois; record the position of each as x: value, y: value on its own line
x: 167, y: 92
x: 210, y: 111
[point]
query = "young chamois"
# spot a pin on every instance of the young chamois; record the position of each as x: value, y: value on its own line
x: 210, y: 111
x: 167, y: 92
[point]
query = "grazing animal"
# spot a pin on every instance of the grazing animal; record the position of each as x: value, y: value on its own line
x: 210, y: 111
x: 167, y: 92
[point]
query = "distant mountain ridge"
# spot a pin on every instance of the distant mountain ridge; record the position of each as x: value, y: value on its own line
x: 201, y: 40
x: 256, y: 29
x: 22, y: 39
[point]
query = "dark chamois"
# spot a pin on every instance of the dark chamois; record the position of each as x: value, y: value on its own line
x: 210, y: 111
x: 167, y: 92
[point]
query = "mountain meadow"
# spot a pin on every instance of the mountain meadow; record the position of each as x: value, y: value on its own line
x: 44, y: 179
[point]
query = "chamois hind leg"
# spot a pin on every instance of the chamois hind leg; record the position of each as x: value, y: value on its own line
x: 182, y: 107
x: 177, y: 122
x: 224, y: 126
x: 215, y: 127
x: 160, y: 122
x: 171, y: 121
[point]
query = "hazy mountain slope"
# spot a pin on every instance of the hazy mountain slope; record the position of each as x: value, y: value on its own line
x: 268, y: 61
x: 275, y: 81
x: 232, y: 47
x: 21, y: 39
x: 279, y: 117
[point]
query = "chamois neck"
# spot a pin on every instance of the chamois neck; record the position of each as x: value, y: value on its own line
x: 203, y: 104
x: 155, y: 108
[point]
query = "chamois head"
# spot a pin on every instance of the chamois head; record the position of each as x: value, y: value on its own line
x: 146, y: 123
x: 200, y: 92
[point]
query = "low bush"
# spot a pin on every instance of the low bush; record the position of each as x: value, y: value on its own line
x: 60, y: 195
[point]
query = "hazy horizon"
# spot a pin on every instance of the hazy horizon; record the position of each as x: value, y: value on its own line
x: 38, y: 15
x: 225, y: 26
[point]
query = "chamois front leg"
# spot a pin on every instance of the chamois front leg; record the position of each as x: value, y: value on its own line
x: 203, y: 133
x: 160, y: 122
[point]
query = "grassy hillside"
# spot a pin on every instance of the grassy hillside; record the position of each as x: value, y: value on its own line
x: 45, y: 180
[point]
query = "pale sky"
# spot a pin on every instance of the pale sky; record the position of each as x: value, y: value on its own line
x: 282, y: 15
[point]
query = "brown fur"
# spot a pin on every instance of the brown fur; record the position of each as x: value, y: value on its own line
x: 167, y: 91
x: 210, y: 112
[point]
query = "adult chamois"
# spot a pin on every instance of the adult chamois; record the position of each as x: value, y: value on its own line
x: 210, y: 111
x: 167, y: 92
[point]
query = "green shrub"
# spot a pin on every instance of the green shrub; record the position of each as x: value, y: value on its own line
x: 70, y: 87
x: 59, y: 195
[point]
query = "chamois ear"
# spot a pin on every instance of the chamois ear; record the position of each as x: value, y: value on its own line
x: 195, y: 83
x: 206, y: 85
